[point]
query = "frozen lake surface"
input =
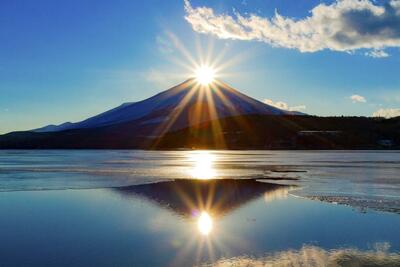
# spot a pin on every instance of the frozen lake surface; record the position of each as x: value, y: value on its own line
x: 241, y: 208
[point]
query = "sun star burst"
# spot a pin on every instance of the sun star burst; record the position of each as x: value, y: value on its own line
x: 205, y: 75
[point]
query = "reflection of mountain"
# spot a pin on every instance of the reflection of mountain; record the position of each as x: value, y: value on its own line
x: 217, y: 197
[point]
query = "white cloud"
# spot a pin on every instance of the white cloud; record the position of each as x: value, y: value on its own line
x: 345, y: 25
x: 297, y: 108
x: 279, y: 104
x: 377, y: 54
x: 387, y: 112
x: 284, y: 106
x: 358, y: 99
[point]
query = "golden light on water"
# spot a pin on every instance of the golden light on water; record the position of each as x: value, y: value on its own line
x: 205, y: 75
x: 278, y: 194
x: 203, y: 167
x: 204, y: 223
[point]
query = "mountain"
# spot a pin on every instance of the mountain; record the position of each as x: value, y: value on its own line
x: 187, y: 103
x: 54, y: 128
x: 216, y: 116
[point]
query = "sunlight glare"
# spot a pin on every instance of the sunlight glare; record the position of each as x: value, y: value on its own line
x: 205, y: 75
x: 205, y: 223
x: 203, y: 165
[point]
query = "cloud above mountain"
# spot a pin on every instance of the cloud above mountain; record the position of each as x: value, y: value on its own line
x: 284, y: 106
x: 344, y: 25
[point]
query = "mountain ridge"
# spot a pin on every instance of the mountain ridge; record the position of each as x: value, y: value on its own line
x: 253, y: 132
x: 226, y: 101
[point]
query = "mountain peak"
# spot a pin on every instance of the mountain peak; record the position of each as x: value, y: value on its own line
x: 188, y: 98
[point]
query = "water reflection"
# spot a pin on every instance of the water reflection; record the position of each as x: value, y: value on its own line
x: 189, y: 198
x: 202, y: 164
x: 162, y: 224
x: 279, y: 193
x: 201, y: 203
x: 204, y: 223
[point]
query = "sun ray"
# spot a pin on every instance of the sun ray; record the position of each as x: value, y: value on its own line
x: 179, y: 45
x: 216, y: 128
x: 210, y: 249
x: 206, y: 66
x: 242, y: 122
x: 200, y: 52
x: 210, y: 52
x: 198, y: 108
x: 182, y: 254
x: 165, y: 126
x: 210, y: 197
x: 221, y: 62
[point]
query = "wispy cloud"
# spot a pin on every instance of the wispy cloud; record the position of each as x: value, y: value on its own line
x: 387, y: 112
x: 391, y: 96
x: 298, y: 108
x: 164, y: 44
x: 376, y: 54
x: 162, y: 78
x: 284, y: 106
x: 358, y: 99
x: 345, y: 25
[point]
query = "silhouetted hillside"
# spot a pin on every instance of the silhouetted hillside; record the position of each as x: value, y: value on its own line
x: 240, y: 132
x: 289, y: 132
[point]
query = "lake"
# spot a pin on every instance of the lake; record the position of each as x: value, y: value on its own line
x: 199, y: 208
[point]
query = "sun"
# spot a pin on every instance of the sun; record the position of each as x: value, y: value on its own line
x: 205, y: 75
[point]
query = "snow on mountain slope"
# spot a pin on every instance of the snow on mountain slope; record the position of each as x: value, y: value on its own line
x: 54, y: 128
x: 189, y: 98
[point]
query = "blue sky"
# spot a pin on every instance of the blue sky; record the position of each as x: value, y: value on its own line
x: 68, y: 60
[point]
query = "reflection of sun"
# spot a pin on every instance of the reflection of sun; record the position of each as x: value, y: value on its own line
x: 205, y: 75
x: 203, y: 165
x: 204, y: 223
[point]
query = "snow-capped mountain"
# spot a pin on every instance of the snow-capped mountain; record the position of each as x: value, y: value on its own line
x: 181, y: 106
